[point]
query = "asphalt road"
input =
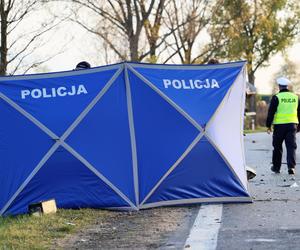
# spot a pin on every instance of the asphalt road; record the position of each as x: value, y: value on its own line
x: 272, y: 221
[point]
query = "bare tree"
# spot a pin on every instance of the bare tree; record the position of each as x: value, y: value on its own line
x: 152, y: 27
x: 124, y: 25
x: 20, y: 37
x: 187, y: 21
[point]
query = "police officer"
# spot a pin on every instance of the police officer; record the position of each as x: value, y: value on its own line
x: 284, y: 114
x: 213, y: 61
x: 83, y: 65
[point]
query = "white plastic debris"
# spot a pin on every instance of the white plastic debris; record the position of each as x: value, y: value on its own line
x: 71, y: 224
x: 294, y: 185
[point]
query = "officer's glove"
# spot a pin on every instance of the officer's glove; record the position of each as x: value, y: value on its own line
x: 269, y: 130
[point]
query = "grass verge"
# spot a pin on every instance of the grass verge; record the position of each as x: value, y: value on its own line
x: 29, y: 232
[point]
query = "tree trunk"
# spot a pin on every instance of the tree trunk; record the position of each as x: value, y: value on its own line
x: 251, y: 77
x: 3, y: 49
x: 134, y: 48
x: 153, y: 57
x: 252, y: 98
x: 188, y: 55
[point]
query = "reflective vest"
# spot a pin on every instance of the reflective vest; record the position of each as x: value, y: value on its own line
x: 287, y: 108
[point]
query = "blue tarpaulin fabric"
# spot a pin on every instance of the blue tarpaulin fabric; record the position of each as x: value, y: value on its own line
x: 123, y: 136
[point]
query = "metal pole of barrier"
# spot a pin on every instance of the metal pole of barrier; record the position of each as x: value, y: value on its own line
x: 253, y: 124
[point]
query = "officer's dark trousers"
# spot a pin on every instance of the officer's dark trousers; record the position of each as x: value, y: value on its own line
x: 287, y: 133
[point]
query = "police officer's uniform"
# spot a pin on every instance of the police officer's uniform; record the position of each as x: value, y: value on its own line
x: 284, y: 114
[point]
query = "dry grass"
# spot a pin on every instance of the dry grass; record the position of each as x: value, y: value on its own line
x: 29, y: 232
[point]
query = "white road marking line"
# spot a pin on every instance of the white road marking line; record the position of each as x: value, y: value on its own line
x: 260, y: 240
x: 204, y: 232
